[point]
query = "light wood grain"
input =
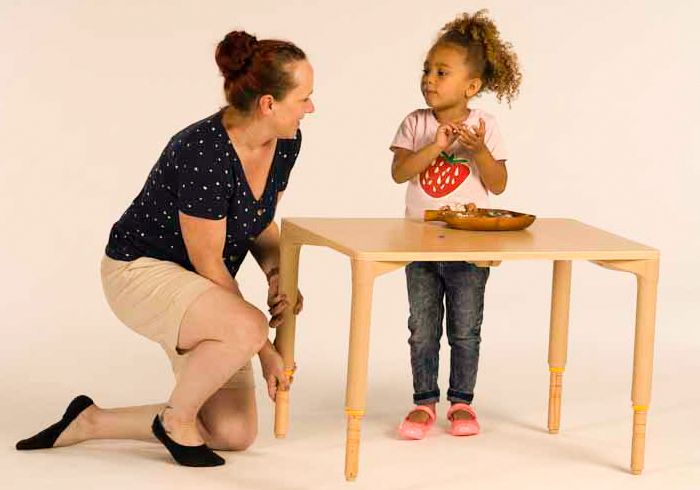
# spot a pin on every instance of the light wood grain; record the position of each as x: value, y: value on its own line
x: 405, y: 240
x: 377, y: 246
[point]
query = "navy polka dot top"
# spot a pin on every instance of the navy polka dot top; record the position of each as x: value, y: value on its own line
x: 200, y: 174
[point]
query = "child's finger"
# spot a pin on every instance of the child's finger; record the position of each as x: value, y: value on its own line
x: 467, y: 138
x: 454, y: 127
x: 469, y: 144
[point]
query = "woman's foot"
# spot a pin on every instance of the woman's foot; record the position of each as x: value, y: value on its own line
x: 463, y: 420
x: 418, y: 422
x: 71, y: 429
x: 181, y: 429
x: 197, y: 455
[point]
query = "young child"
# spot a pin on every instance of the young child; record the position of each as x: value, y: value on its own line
x: 451, y: 154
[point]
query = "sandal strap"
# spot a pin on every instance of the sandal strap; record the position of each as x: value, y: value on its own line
x: 460, y: 406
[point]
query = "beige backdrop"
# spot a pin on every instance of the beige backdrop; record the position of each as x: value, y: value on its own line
x: 604, y: 131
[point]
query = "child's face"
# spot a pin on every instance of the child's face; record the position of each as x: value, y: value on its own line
x: 446, y: 80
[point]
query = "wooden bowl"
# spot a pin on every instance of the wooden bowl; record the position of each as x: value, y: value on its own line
x: 482, y: 221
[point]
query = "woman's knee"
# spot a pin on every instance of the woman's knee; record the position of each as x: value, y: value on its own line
x: 221, y: 315
x: 233, y: 435
x: 250, y: 327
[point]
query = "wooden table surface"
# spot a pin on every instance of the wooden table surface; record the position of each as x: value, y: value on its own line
x: 405, y: 240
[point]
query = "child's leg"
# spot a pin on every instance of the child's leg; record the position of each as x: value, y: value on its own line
x: 464, y: 293
x: 425, y: 294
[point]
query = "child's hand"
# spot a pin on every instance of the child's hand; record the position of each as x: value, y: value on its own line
x: 472, y: 138
x: 446, y: 135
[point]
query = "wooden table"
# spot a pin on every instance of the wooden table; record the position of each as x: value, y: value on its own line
x: 377, y: 246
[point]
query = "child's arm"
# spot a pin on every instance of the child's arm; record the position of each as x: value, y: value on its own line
x: 493, y: 172
x: 408, y: 164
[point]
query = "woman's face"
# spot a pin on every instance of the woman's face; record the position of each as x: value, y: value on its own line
x: 289, y: 111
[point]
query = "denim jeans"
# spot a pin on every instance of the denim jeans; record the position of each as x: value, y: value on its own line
x: 461, y: 285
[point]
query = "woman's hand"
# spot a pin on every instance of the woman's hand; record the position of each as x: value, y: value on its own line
x: 273, y: 370
x: 277, y: 302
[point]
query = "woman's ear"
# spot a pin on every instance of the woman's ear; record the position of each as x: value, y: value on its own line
x: 265, y: 103
x: 473, y: 87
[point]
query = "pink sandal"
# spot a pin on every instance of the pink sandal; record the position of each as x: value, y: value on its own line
x: 417, y: 430
x: 460, y: 427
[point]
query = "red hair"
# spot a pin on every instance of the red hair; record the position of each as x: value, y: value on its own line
x: 253, y: 68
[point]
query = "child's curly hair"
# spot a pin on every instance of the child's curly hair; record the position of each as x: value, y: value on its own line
x: 490, y: 58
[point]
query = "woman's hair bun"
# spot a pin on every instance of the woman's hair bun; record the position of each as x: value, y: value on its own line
x: 235, y: 52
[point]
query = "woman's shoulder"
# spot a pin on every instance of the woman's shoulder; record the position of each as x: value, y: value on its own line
x: 205, y: 129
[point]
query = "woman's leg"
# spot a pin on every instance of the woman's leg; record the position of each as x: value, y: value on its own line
x: 229, y: 419
x: 221, y: 332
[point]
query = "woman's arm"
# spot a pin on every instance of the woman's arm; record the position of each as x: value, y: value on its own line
x: 204, y: 240
x: 266, y: 250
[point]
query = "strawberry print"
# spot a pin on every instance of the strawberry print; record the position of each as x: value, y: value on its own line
x: 444, y: 175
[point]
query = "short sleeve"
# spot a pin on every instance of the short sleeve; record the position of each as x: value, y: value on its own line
x: 290, y: 153
x: 494, y: 141
x: 202, y: 189
x: 406, y: 134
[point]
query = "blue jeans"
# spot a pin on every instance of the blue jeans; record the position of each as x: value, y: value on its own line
x: 462, y: 286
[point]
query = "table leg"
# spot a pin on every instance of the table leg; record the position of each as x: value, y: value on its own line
x: 284, y: 338
x: 643, y: 361
x: 363, y: 273
x: 558, y: 339
x: 647, y: 272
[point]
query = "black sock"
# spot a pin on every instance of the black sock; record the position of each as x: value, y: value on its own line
x: 186, y: 455
x: 47, y: 437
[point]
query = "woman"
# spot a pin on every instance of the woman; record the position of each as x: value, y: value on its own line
x: 171, y: 261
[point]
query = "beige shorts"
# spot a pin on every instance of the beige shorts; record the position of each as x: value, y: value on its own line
x: 151, y: 297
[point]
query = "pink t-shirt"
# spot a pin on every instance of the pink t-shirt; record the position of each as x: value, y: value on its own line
x: 453, y: 178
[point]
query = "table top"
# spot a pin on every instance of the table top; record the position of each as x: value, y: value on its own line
x: 398, y: 239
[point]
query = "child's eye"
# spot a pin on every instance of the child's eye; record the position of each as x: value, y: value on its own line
x: 425, y: 71
x: 441, y: 73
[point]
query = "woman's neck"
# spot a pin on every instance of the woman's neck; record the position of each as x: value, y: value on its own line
x: 246, y: 132
x: 455, y: 114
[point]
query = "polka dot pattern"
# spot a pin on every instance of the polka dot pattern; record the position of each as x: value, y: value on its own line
x: 199, y: 174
